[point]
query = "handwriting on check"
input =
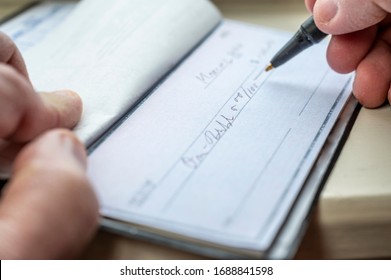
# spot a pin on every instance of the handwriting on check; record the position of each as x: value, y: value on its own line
x: 210, y: 75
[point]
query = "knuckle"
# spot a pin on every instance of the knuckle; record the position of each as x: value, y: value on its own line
x: 7, y: 48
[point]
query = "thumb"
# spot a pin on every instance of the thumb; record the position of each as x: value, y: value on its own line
x: 48, y: 209
x: 59, y: 109
x: 346, y: 16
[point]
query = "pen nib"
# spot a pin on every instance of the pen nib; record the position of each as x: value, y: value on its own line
x: 269, y: 67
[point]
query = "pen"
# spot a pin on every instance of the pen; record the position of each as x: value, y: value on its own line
x: 306, y: 36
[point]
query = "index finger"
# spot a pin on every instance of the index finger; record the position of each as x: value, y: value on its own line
x: 10, y: 55
x: 310, y: 4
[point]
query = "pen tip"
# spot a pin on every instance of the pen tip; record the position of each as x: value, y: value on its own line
x: 269, y: 67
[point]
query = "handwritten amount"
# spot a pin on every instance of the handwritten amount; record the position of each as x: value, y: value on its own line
x: 221, y: 124
x: 209, y: 76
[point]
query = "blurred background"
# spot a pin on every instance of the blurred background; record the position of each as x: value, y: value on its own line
x: 289, y: 16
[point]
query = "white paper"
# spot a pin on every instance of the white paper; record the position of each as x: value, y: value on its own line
x: 221, y: 149
x: 112, y: 52
x: 32, y: 26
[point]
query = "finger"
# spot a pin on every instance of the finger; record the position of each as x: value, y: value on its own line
x: 373, y: 76
x: 8, y: 153
x: 345, y: 52
x: 345, y: 16
x: 48, y: 209
x: 310, y: 5
x: 25, y: 114
x: 10, y: 54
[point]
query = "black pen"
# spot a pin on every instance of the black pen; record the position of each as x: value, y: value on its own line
x: 306, y: 36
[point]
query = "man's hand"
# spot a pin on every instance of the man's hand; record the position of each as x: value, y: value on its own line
x: 47, y: 209
x: 361, y: 41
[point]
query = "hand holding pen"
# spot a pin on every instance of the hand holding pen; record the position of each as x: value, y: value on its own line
x: 361, y: 42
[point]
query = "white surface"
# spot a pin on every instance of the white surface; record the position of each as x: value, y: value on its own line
x: 112, y: 52
x: 220, y: 150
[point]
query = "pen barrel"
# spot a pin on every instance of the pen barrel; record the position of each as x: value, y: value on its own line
x: 294, y: 46
x: 307, y: 36
x: 311, y: 31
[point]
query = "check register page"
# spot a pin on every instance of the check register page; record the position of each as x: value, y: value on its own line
x: 219, y: 151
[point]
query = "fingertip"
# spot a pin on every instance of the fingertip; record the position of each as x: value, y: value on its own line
x: 60, y: 109
x: 324, y: 13
x: 49, y: 206
x: 66, y: 105
x: 325, y: 10
x: 60, y: 147
x: 310, y: 5
x: 370, y: 87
